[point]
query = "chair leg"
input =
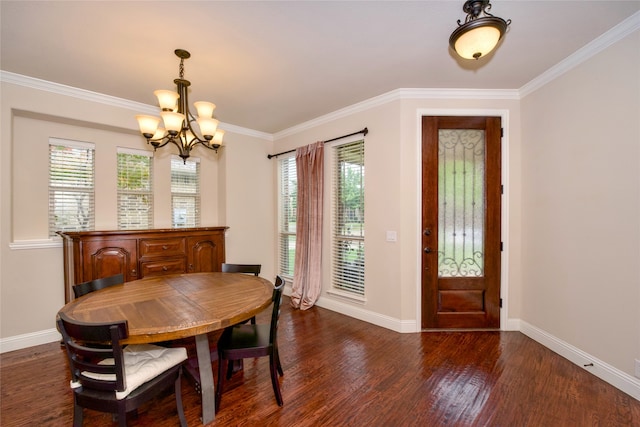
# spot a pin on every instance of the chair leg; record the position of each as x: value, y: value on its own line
x: 279, y: 365
x: 230, y: 367
x: 122, y: 414
x: 274, y: 378
x: 220, y: 381
x: 77, y: 415
x: 178, y: 392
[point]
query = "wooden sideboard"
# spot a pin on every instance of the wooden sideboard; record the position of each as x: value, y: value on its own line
x: 90, y: 255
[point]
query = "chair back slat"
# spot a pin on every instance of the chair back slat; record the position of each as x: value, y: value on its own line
x: 242, y: 268
x: 94, y: 285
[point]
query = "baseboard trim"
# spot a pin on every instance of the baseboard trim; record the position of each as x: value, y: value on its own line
x: 402, y: 326
x: 593, y: 365
x: 18, y: 342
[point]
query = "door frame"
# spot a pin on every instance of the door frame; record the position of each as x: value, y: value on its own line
x: 504, y: 220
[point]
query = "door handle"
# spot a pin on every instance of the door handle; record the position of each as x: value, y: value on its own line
x: 427, y: 250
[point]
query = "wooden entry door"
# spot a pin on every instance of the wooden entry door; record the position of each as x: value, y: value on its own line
x: 461, y: 195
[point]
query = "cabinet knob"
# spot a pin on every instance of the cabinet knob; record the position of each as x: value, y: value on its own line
x: 164, y: 268
x: 165, y: 247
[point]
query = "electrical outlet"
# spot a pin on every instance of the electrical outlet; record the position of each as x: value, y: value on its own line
x: 638, y: 368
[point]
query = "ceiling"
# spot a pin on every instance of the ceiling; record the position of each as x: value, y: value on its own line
x: 271, y: 65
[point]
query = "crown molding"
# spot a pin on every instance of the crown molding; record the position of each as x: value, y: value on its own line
x: 617, y: 33
x: 87, y: 95
x: 397, y: 95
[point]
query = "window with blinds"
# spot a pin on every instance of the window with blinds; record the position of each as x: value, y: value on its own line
x: 347, y: 262
x: 135, y: 191
x: 71, y: 186
x: 185, y: 192
x: 287, y: 202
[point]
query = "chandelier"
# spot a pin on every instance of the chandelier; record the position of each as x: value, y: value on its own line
x: 181, y: 128
x: 477, y: 36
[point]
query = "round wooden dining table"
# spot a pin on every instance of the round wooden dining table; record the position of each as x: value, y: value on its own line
x: 164, y: 308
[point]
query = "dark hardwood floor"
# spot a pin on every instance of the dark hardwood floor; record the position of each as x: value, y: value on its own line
x: 343, y: 372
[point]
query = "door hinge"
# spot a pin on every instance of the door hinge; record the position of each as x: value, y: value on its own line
x: 500, y: 302
x: 501, y: 132
x: 501, y: 246
x: 501, y: 189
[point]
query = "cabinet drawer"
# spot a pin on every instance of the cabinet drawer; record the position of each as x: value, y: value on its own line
x: 161, y: 267
x: 152, y: 248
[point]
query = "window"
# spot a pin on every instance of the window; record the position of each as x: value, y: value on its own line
x: 288, y: 196
x: 71, y: 186
x: 135, y: 192
x: 185, y: 192
x: 348, y: 218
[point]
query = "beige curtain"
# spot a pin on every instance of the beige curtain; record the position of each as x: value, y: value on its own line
x: 306, y: 276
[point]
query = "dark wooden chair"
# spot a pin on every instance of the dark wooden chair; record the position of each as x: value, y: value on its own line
x: 93, y: 285
x: 191, y: 367
x: 116, y: 380
x: 242, y: 268
x: 250, y: 341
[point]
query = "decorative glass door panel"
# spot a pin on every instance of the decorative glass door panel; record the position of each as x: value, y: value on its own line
x: 461, y: 207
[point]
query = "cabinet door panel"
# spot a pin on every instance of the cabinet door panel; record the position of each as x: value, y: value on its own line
x: 107, y: 258
x: 206, y: 253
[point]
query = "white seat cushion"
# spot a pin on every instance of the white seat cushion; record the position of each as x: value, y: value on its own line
x: 142, y: 362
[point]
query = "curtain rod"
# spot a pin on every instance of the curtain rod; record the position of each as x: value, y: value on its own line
x: 364, y: 132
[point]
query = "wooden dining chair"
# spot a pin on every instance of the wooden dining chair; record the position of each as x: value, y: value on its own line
x: 116, y: 380
x: 242, y: 268
x: 191, y: 367
x: 93, y: 285
x: 250, y: 341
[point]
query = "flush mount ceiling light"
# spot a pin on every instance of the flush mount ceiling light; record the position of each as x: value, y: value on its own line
x: 181, y: 126
x: 478, y: 35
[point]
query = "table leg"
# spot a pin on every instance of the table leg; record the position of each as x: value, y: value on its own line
x: 206, y: 379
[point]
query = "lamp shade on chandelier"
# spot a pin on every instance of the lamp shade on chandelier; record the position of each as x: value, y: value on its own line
x: 478, y: 35
x: 181, y: 128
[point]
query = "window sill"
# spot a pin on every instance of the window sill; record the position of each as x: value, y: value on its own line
x: 35, y: 244
x: 347, y: 296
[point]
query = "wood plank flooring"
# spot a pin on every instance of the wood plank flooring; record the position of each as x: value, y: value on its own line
x: 343, y: 372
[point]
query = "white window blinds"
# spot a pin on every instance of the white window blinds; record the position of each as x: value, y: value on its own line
x: 288, y: 196
x: 348, y: 218
x: 135, y: 190
x: 185, y: 192
x: 71, y: 186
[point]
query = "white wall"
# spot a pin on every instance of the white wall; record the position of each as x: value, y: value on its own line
x: 31, y: 268
x: 581, y: 206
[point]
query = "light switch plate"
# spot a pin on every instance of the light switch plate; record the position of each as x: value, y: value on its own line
x: 392, y: 236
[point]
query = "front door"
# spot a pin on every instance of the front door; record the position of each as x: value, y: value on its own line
x: 461, y: 192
